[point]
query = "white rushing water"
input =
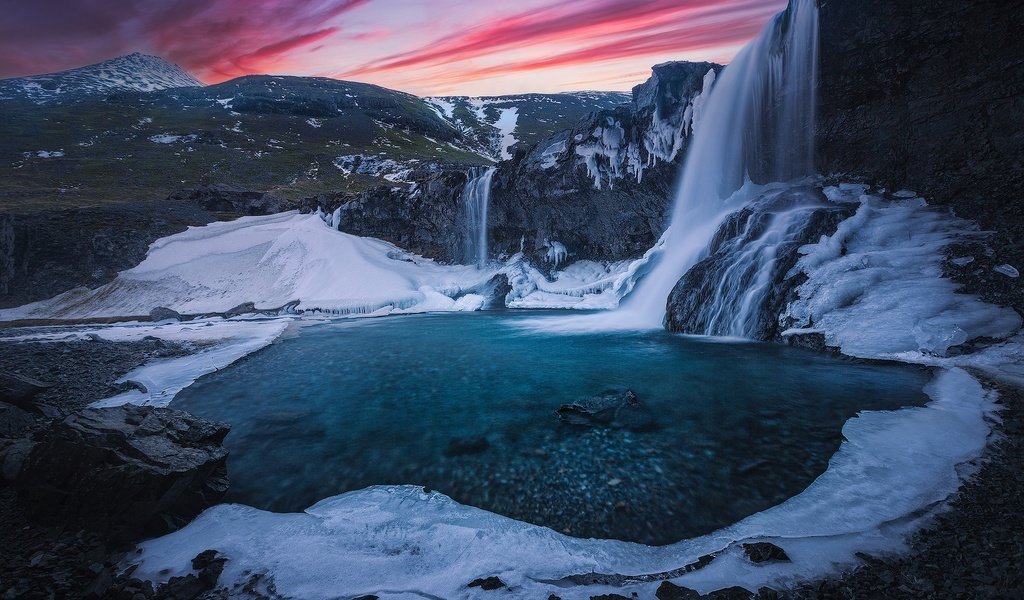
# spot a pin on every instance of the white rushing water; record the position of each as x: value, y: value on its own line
x: 758, y: 125
x: 475, y: 197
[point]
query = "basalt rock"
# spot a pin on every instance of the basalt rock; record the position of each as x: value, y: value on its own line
x: 761, y: 552
x: 126, y: 471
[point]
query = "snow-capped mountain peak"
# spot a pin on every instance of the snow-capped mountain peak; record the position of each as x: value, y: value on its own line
x: 134, y: 72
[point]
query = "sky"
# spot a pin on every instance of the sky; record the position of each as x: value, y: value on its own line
x: 426, y: 47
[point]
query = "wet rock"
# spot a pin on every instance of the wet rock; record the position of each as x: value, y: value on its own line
x: 696, y: 304
x: 126, y: 471
x: 612, y: 408
x: 487, y: 583
x: 464, y: 446
x: 760, y: 552
x: 612, y: 597
x: 161, y: 313
x: 670, y: 591
x: 730, y: 593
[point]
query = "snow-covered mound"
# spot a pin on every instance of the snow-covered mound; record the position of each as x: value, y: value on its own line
x: 134, y: 72
x: 273, y: 262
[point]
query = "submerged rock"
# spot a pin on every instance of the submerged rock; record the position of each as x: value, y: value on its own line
x: 612, y: 408
x: 127, y: 471
x: 468, y: 445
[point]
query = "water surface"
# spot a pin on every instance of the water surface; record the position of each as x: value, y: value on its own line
x: 466, y: 403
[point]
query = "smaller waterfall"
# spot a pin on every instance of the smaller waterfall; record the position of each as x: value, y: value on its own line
x: 475, y: 197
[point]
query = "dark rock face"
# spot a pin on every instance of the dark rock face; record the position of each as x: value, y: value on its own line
x: 426, y: 221
x: 581, y: 188
x: 929, y: 96
x: 233, y: 201
x: 760, y: 552
x: 44, y: 254
x: 126, y: 471
x: 692, y: 305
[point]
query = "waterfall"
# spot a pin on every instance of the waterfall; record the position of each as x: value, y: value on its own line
x: 758, y: 128
x: 475, y: 197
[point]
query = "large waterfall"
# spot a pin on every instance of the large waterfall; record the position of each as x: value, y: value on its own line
x: 475, y: 197
x: 758, y: 128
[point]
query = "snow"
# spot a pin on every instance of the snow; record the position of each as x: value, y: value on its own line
x: 890, y: 471
x: 875, y: 288
x: 166, y: 138
x: 506, y: 125
x: 272, y: 261
x: 446, y: 107
x: 45, y: 154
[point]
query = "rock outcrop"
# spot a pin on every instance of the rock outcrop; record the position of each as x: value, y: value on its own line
x: 127, y: 471
x: 603, y: 189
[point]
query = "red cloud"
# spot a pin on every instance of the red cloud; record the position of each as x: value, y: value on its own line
x: 583, y: 20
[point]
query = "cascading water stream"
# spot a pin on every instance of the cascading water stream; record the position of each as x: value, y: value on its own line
x: 758, y: 127
x: 475, y: 197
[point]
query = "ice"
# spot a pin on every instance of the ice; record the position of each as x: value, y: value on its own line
x: 557, y: 252
x: 875, y: 288
x: 272, y: 261
x: 166, y: 138
x: 220, y: 342
x: 1007, y: 270
x: 890, y: 472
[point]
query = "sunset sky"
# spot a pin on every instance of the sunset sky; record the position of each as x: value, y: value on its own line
x: 473, y: 47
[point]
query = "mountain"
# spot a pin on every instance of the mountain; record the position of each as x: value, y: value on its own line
x: 500, y: 123
x: 134, y: 72
x: 294, y: 137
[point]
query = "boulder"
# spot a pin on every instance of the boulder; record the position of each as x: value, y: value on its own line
x: 670, y: 591
x: 761, y: 552
x: 126, y: 471
x: 20, y: 390
x: 161, y: 313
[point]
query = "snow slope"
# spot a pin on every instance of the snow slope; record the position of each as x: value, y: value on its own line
x: 134, y: 72
x: 273, y: 261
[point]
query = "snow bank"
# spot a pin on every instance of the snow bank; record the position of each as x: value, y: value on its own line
x: 875, y: 287
x: 395, y: 540
x: 272, y: 261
